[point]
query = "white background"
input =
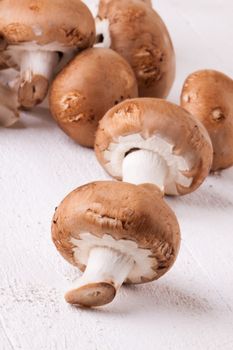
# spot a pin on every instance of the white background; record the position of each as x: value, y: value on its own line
x: 192, y: 306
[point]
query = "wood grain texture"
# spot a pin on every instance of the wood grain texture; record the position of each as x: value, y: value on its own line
x: 192, y: 306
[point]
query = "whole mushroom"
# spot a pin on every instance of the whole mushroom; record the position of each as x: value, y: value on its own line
x: 154, y: 141
x: 116, y: 233
x: 208, y: 95
x: 136, y: 31
x: 36, y: 35
x: 87, y: 88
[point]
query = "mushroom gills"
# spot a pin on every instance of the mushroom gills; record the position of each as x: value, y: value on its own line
x: 8, y: 106
x: 116, y: 233
x: 153, y: 161
x: 36, y: 70
x: 143, y: 166
x: 106, y: 271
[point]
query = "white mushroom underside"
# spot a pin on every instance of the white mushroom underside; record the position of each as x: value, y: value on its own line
x: 93, y: 6
x: 38, y: 62
x: 105, y: 265
x: 16, y: 52
x: 143, y: 263
x: 175, y: 164
x: 33, y: 46
x: 102, y: 30
x: 102, y: 26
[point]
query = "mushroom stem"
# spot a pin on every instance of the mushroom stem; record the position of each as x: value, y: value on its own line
x: 143, y: 166
x: 103, y: 37
x: 8, y: 106
x: 35, y: 73
x: 106, y: 271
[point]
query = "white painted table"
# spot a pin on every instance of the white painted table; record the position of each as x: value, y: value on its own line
x: 192, y: 306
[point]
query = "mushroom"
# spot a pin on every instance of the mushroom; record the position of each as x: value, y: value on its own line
x: 208, y: 95
x: 9, y: 113
x: 154, y: 141
x: 148, y: 2
x: 136, y: 31
x: 89, y: 85
x: 116, y: 233
x: 34, y: 35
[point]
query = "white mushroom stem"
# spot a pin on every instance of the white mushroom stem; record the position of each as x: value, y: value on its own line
x: 105, y: 267
x: 36, y: 70
x: 142, y: 166
x: 103, y: 35
x: 8, y: 106
x: 38, y: 62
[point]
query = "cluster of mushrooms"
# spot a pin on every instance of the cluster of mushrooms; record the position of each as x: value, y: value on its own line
x: 107, y: 67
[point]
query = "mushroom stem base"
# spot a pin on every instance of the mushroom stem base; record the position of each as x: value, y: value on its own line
x: 106, y: 271
x: 37, y: 68
x: 143, y: 166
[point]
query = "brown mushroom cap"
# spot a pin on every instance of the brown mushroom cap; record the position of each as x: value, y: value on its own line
x: 145, y: 123
x: 46, y: 21
x: 34, y: 33
x: 208, y: 95
x: 83, y: 92
x: 141, y: 37
x: 125, y: 212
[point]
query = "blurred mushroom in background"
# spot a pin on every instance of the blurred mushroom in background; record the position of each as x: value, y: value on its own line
x: 36, y: 38
x: 137, y: 32
x: 92, y: 83
x: 208, y: 95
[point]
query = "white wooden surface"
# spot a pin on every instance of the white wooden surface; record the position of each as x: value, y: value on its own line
x: 192, y: 306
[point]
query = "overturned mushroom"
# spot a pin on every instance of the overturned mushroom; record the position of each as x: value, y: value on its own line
x: 154, y: 141
x: 34, y: 35
x: 9, y: 113
x: 208, y: 95
x: 136, y: 31
x: 86, y: 88
x: 114, y: 232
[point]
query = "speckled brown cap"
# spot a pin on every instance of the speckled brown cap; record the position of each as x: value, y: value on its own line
x: 82, y: 93
x: 46, y: 21
x: 38, y: 37
x: 208, y: 95
x: 123, y: 212
x: 161, y: 127
x: 141, y: 37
